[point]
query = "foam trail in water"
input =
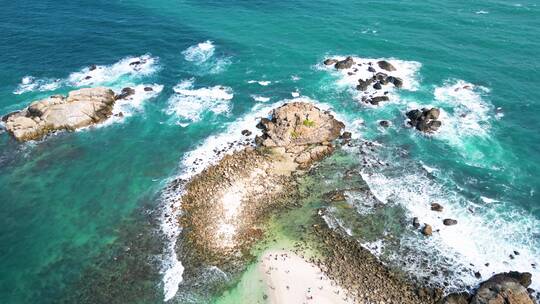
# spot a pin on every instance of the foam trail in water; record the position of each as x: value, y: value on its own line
x: 189, y: 103
x: 200, y: 52
x: 202, y: 55
x: 469, y: 114
x: 125, y: 70
x: 260, y: 98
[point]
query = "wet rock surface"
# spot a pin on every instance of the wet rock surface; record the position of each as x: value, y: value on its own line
x: 424, y: 120
x: 80, y: 108
x: 504, y: 288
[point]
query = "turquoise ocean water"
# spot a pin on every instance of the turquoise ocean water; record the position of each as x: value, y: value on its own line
x: 74, y: 200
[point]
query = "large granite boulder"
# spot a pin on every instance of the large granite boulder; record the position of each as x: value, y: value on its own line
x: 299, y: 123
x: 504, y: 288
x: 79, y: 109
x: 344, y: 64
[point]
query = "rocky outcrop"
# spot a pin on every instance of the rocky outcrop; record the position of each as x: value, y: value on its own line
x: 504, y: 288
x: 344, y: 64
x: 224, y: 207
x: 425, y: 120
x: 80, y: 108
x: 449, y: 222
x: 371, y: 87
x: 385, y: 65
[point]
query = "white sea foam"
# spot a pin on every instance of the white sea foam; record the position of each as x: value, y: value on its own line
x: 189, y: 103
x: 482, y: 12
x: 260, y: 98
x: 200, y: 52
x: 124, y: 71
x: 203, y: 56
x: 406, y: 70
x: 466, y: 113
x: 484, y: 234
x: 30, y: 84
x: 263, y: 83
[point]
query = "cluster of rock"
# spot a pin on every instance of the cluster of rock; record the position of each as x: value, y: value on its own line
x: 503, y: 288
x: 424, y: 120
x: 427, y: 230
x: 80, y: 108
x: 301, y: 130
x: 375, y: 82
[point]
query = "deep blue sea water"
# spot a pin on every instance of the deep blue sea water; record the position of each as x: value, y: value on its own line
x: 67, y: 200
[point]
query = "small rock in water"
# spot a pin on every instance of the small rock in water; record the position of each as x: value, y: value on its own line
x: 377, y: 86
x: 449, y: 222
x: 126, y: 92
x: 424, y: 120
x: 371, y: 69
x: 87, y: 77
x: 516, y: 252
x: 346, y: 135
x: 427, y: 230
x: 384, y: 123
x: 385, y: 65
x: 377, y: 99
x: 345, y: 64
x: 330, y: 61
x: 148, y: 89
x: 92, y: 67
x: 246, y: 132
x: 437, y: 207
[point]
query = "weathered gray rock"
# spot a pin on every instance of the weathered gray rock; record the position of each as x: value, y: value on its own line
x: 363, y: 85
x: 345, y: 64
x: 385, y: 65
x: 504, y: 288
x: 299, y: 123
x: 437, y: 207
x: 377, y: 99
x: 330, y: 61
x: 449, y: 222
x: 424, y: 120
x: 125, y: 93
x: 456, y: 298
x: 79, y: 109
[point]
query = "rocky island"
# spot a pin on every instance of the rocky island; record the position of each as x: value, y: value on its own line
x: 80, y: 108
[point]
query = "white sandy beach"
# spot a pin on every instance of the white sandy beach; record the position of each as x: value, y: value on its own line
x: 291, y: 279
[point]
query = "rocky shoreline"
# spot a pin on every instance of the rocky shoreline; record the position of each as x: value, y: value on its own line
x: 225, y: 210
x: 225, y: 206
